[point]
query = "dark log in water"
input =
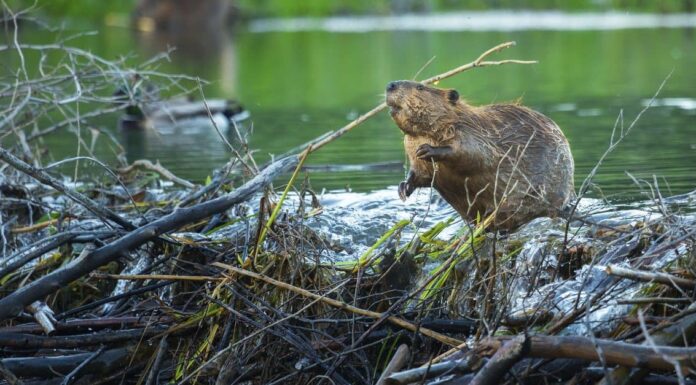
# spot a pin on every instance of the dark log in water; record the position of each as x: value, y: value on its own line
x: 107, y: 361
x: 30, y: 341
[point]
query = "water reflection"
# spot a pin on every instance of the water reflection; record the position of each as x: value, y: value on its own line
x: 193, y: 146
x: 480, y: 21
x: 199, y: 31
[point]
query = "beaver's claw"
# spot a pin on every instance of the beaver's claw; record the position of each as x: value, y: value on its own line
x: 405, y: 190
x: 428, y: 152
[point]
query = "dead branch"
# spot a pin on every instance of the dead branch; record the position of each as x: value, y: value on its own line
x: 47, y: 366
x: 502, y: 361
x: 458, y: 366
x: 400, y: 358
x: 90, y: 325
x: 9, y: 376
x: 17, y: 260
x: 158, y: 168
x: 30, y: 341
x: 650, y: 276
x: 613, y: 352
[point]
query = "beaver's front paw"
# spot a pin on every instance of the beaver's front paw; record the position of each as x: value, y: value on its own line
x: 405, y: 190
x: 428, y: 152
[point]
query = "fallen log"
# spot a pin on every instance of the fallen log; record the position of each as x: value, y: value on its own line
x: 613, y: 352
x: 15, y: 302
x: 47, y: 367
x: 89, y: 325
x: 460, y: 366
x: 31, y: 341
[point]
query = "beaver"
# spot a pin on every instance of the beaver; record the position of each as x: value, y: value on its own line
x: 502, y: 158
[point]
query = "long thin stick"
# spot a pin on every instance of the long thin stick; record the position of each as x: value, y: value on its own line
x: 476, y: 63
x: 342, y: 305
x: 160, y: 277
x: 38, y: 174
x: 650, y: 276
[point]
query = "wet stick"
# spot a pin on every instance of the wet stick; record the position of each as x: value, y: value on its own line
x: 479, y: 62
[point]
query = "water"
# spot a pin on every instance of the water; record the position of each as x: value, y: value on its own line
x: 299, y: 83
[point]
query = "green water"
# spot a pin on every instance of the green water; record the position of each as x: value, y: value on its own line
x: 298, y: 85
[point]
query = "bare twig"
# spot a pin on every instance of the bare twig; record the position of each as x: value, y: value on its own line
x: 43, y: 177
x: 158, y: 168
x: 650, y: 276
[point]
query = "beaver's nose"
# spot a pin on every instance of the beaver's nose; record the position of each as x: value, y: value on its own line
x: 392, y: 86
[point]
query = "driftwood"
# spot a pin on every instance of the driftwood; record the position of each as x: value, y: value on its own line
x: 15, y: 302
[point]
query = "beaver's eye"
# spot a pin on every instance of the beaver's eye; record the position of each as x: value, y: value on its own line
x: 420, y: 87
x: 453, y: 96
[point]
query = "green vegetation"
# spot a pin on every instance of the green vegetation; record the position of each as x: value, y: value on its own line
x: 289, y: 8
x: 98, y: 11
x: 92, y: 11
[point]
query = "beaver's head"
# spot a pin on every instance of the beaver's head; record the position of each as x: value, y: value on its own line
x: 419, y: 109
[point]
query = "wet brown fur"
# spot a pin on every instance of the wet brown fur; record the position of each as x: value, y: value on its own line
x: 503, y: 156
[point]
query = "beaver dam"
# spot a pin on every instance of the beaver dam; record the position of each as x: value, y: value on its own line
x: 141, y: 277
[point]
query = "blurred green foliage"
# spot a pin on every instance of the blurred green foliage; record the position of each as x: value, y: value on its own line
x: 98, y: 10
x: 289, y: 8
x: 76, y: 10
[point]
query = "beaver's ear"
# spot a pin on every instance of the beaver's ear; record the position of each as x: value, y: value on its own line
x: 453, y: 96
